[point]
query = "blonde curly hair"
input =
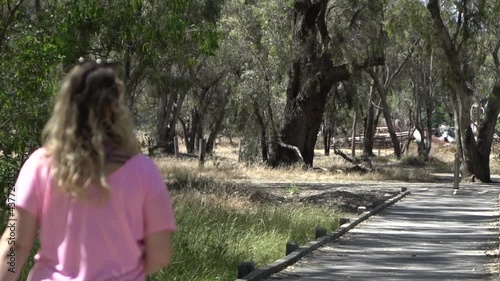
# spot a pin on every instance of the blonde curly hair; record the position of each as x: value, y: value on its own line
x: 90, y: 112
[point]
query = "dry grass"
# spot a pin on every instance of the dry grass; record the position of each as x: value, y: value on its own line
x: 234, y: 204
x: 225, y: 167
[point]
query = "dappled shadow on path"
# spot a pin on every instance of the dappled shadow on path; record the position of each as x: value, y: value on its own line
x: 431, y: 235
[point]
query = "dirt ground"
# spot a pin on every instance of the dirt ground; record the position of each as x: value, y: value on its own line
x: 343, y: 198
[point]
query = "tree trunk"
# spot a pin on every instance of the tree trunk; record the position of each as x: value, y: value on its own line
x: 353, y: 143
x: 185, y: 129
x: 481, y: 159
x: 193, y: 135
x: 428, y: 109
x: 311, y: 77
x: 163, y: 117
x: 216, y: 126
x: 475, y: 154
x: 390, y: 127
x: 327, y: 137
x: 38, y: 10
x: 214, y: 133
x: 263, y: 132
x: 168, y: 112
x: 370, y: 126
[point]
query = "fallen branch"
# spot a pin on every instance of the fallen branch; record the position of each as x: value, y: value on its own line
x: 339, y: 152
x: 294, y: 148
x: 358, y: 167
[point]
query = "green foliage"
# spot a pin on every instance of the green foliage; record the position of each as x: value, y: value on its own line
x: 256, y: 41
x: 40, y: 45
x: 293, y: 190
x: 442, y: 116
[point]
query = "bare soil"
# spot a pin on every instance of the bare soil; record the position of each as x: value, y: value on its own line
x: 341, y: 197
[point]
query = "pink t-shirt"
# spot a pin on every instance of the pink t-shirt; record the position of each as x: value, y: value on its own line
x: 94, y: 243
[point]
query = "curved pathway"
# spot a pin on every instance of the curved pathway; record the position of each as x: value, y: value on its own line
x: 429, y: 235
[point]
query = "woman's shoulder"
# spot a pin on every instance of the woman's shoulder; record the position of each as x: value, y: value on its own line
x: 148, y: 167
x: 144, y: 161
x: 38, y: 155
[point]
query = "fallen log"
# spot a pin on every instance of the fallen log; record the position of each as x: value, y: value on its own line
x: 358, y: 167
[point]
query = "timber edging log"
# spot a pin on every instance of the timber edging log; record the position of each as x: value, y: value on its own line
x: 295, y: 256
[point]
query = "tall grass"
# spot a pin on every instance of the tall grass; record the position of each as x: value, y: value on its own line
x: 215, y: 234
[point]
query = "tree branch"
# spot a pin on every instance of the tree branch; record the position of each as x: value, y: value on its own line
x: 12, y: 13
x: 330, y: 10
x: 495, y: 54
x: 358, y: 166
x: 459, y: 26
x: 380, y: 88
x: 449, y: 47
x: 395, y: 73
x: 342, y: 73
x: 357, y: 13
x: 377, y: 106
x: 294, y: 148
x: 323, y: 29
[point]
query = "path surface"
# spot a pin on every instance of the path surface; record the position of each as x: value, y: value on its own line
x: 429, y: 235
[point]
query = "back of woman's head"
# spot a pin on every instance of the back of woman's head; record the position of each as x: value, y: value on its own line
x: 90, y: 112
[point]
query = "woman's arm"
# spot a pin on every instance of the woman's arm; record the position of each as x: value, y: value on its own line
x: 16, y: 243
x: 158, y: 251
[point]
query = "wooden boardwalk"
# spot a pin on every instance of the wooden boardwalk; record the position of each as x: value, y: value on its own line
x: 430, y: 235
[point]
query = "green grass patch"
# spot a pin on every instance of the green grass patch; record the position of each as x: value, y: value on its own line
x: 214, y: 235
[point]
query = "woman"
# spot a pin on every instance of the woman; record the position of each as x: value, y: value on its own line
x: 102, y: 209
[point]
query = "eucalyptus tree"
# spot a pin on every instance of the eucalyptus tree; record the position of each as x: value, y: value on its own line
x: 169, y: 44
x: 398, y: 46
x: 29, y: 54
x: 372, y: 116
x: 468, y: 33
x: 256, y: 42
x: 40, y: 40
x: 423, y: 79
x: 318, y: 63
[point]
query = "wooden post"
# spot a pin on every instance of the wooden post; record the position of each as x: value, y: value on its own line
x: 201, y: 150
x: 456, y: 174
x: 290, y: 247
x: 176, y: 146
x: 320, y: 232
x: 244, y: 268
x: 343, y: 221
